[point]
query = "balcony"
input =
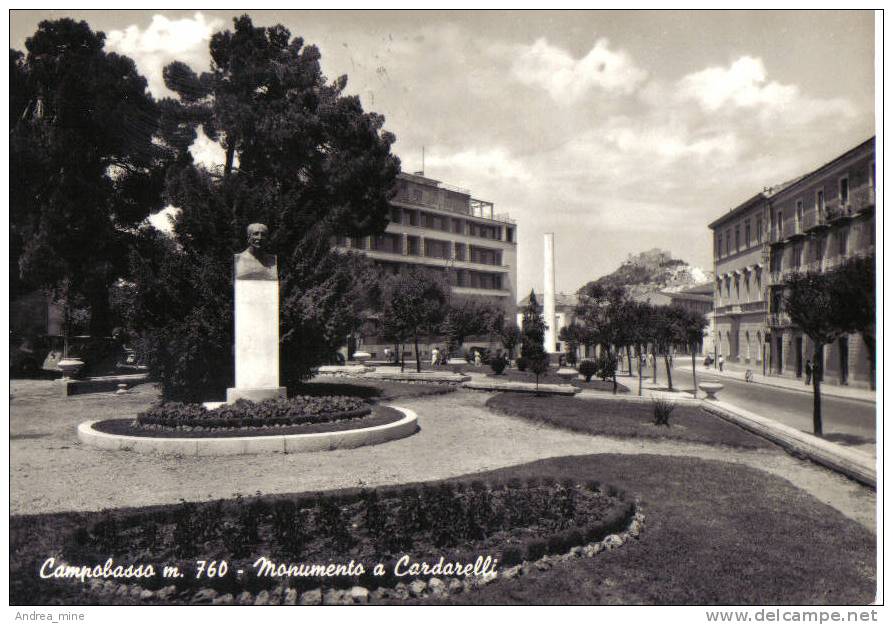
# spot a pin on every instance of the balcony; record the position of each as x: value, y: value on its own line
x: 474, y: 208
x: 814, y: 220
x: 779, y: 320
x: 792, y: 230
x: 862, y: 199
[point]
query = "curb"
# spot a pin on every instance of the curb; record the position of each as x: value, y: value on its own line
x: 291, y: 443
x: 856, y: 465
x: 522, y: 387
x: 794, y: 389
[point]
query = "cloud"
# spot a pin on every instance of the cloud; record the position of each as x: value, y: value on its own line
x: 164, y: 41
x: 490, y: 162
x: 744, y: 85
x: 207, y: 152
x: 568, y: 79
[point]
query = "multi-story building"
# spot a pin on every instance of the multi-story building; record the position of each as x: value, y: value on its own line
x: 699, y: 299
x: 740, y: 259
x: 813, y: 222
x: 444, y: 228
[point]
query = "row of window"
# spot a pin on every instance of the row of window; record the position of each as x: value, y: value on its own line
x: 737, y: 282
x: 432, y: 221
x: 751, y: 236
x: 818, y: 247
x: 392, y: 243
x: 458, y: 277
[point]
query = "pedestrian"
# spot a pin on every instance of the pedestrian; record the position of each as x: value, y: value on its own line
x: 477, y: 358
x: 808, y: 368
x: 435, y: 356
x: 387, y: 354
x: 720, y: 361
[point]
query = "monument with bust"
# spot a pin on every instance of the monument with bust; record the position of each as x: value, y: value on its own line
x: 256, y: 290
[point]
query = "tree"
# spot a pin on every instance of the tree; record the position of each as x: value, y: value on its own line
x: 415, y: 304
x: 85, y: 168
x: 855, y: 290
x: 509, y: 336
x: 301, y: 157
x: 604, y: 312
x: 572, y: 336
x: 691, y: 334
x: 812, y: 302
x: 466, y: 318
x: 669, y: 323
x: 533, y: 331
x: 639, y: 317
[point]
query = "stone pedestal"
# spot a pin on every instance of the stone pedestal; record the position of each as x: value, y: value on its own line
x: 257, y: 336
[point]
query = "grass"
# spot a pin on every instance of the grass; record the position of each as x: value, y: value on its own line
x: 624, y: 419
x: 716, y: 534
x: 371, y: 389
x: 513, y: 375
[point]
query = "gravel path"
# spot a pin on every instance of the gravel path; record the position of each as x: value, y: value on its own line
x: 51, y: 471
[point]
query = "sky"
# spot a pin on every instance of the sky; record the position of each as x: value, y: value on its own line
x: 618, y: 131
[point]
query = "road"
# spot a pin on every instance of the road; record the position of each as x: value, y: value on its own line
x: 845, y: 421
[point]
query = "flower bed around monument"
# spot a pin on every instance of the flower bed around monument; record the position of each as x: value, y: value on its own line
x: 510, y: 521
x: 380, y: 415
x: 300, y: 410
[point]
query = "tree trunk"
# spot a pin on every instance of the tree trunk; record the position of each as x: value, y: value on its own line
x: 694, y: 375
x: 669, y: 375
x: 629, y: 360
x: 639, y: 353
x: 817, y: 367
x: 654, y: 364
x: 418, y: 357
x: 869, y: 341
x: 100, y: 312
x: 230, y: 158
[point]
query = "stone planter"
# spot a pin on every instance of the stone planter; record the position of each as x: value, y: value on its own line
x: 70, y: 367
x: 361, y: 356
x: 711, y: 388
x: 568, y: 373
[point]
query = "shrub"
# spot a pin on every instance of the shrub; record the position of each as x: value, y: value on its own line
x: 662, y: 409
x: 521, y: 363
x: 587, y: 369
x: 294, y: 411
x: 607, y: 365
x: 497, y: 365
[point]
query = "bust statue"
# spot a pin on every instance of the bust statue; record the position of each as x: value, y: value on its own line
x: 254, y: 263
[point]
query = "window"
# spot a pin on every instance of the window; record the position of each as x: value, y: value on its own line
x: 820, y: 201
x: 458, y: 226
x: 388, y: 242
x: 395, y: 214
x: 728, y: 242
x: 737, y: 238
x: 759, y: 229
x: 747, y: 233
x: 819, y: 248
x: 841, y: 242
x: 460, y: 251
x: 417, y: 195
x: 411, y: 217
x: 797, y: 255
x: 844, y: 191
x: 758, y: 276
x: 799, y: 215
x: 779, y: 223
x: 510, y: 234
x: 437, y: 249
x: 719, y: 244
x: 412, y: 246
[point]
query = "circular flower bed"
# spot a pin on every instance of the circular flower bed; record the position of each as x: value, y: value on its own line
x: 510, y: 522
x: 298, y: 410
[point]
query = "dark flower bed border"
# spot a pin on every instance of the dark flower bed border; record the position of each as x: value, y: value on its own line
x: 380, y: 415
x: 298, y: 410
x: 189, y: 519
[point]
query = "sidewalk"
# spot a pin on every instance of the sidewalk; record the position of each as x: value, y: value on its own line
x: 736, y: 372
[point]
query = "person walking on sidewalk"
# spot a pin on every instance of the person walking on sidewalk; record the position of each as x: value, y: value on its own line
x: 808, y: 368
x: 720, y: 361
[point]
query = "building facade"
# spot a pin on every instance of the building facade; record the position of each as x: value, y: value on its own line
x: 699, y: 299
x: 814, y: 222
x: 444, y: 228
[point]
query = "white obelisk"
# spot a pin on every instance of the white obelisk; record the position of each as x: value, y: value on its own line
x: 549, y: 292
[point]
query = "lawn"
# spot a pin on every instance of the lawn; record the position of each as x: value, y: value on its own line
x: 607, y: 417
x: 716, y: 533
x: 513, y: 375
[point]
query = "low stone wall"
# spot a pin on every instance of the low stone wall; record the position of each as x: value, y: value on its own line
x: 431, y: 377
x: 292, y: 443
x: 521, y: 387
x: 101, y: 385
